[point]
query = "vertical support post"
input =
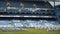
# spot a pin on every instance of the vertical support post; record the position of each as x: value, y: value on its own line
x: 56, y: 12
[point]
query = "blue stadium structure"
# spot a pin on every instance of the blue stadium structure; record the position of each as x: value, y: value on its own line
x: 21, y: 13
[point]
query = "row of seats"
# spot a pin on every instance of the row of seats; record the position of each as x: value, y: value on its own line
x: 4, y: 22
x: 26, y: 23
x: 25, y: 4
x: 25, y: 12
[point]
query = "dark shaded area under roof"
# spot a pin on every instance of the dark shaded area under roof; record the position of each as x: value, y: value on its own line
x: 20, y: 0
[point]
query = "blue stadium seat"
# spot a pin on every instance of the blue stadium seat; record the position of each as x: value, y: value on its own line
x: 2, y: 6
x: 12, y: 10
x: 15, y: 4
x: 28, y: 5
x: 4, y: 22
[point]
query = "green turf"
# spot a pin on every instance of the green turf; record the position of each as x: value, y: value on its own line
x: 32, y: 31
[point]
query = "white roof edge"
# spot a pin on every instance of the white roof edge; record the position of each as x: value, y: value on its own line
x: 52, y: 3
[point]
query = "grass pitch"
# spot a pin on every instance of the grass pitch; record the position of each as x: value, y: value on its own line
x: 31, y: 31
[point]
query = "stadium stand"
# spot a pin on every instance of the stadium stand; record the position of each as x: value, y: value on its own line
x: 21, y: 14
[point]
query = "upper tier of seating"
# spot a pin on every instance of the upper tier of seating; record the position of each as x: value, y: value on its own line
x: 26, y: 4
x: 16, y: 6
